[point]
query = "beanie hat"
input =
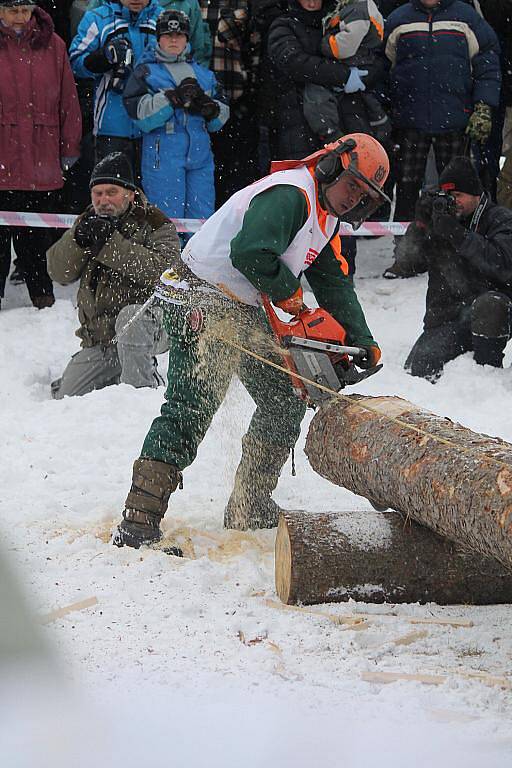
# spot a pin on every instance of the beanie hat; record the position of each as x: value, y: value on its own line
x: 172, y: 21
x: 460, y: 175
x: 113, y: 169
x: 15, y: 3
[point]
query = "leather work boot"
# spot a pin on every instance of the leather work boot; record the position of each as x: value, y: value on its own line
x: 43, y: 302
x: 250, y: 504
x: 146, y: 504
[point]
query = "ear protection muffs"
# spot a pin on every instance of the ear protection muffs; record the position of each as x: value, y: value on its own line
x: 330, y: 166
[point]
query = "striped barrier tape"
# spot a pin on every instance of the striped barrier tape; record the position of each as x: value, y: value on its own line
x: 66, y: 220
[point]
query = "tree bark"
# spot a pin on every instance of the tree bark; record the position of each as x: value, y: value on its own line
x: 456, y: 482
x: 379, y: 557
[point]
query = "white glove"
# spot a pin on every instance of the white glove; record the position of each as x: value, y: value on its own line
x: 354, y: 82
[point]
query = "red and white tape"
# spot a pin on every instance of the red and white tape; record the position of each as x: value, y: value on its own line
x: 66, y: 220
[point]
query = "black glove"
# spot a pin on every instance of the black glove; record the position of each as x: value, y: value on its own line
x: 371, y: 358
x: 189, y: 90
x: 93, y: 231
x: 118, y: 52
x: 447, y: 227
x: 205, y: 106
x: 173, y: 98
x: 423, y: 210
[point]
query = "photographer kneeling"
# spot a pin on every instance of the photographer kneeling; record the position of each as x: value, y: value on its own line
x: 464, y: 241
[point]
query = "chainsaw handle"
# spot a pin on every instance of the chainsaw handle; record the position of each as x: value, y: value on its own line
x: 267, y: 304
x: 356, y: 352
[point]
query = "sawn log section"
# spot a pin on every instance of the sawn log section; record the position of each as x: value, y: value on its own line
x: 456, y: 482
x: 379, y: 557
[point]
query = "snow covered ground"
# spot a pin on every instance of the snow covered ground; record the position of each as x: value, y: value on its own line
x: 156, y: 674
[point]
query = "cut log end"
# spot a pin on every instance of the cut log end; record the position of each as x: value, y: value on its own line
x: 283, y: 561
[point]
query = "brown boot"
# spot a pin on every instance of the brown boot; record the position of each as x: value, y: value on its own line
x: 146, y: 504
x: 250, y: 504
x: 42, y: 302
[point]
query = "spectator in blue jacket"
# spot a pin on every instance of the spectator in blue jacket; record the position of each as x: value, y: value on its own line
x: 110, y: 39
x: 445, y: 78
x: 174, y: 101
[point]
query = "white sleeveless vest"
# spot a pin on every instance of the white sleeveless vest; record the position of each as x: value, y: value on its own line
x: 207, y: 253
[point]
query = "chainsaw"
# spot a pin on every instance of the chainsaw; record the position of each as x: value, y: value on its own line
x: 313, y: 347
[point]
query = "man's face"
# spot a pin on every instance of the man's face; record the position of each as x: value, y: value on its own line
x: 16, y: 18
x: 430, y: 3
x: 173, y: 43
x: 464, y: 204
x: 311, y: 5
x: 135, y: 6
x: 345, y: 194
x: 110, y: 199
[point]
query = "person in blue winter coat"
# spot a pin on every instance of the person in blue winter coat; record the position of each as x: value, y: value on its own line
x: 176, y: 103
x: 110, y: 39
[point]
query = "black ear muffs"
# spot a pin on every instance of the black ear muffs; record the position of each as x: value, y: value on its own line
x: 330, y: 167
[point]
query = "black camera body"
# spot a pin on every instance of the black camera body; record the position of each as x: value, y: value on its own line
x: 443, y: 203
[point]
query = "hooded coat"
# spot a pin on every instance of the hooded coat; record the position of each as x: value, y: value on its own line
x: 40, y: 119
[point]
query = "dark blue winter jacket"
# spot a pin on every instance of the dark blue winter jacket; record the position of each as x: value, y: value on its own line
x: 443, y: 60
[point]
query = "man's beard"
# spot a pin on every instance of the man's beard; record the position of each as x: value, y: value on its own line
x: 112, y: 210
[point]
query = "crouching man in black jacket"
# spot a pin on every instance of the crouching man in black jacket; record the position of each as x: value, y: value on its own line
x: 464, y: 241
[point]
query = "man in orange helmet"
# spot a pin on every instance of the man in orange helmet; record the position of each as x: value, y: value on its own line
x: 260, y: 241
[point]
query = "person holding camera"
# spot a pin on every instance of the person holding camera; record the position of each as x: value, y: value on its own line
x: 175, y: 102
x: 464, y: 242
x: 117, y: 249
x: 110, y: 39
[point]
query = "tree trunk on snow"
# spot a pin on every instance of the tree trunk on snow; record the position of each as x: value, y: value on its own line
x: 457, y: 482
x: 379, y: 557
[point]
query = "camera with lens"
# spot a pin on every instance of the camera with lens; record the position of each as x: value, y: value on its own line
x: 443, y: 203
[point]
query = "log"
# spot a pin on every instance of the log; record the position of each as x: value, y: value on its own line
x: 455, y: 481
x: 379, y: 557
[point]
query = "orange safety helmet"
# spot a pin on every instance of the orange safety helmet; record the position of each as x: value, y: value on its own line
x: 361, y: 155
x: 356, y: 153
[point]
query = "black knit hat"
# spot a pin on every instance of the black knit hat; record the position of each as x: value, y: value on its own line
x: 460, y: 175
x: 15, y: 3
x: 172, y: 21
x: 113, y: 169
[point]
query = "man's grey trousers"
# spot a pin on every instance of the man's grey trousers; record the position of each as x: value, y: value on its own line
x: 130, y: 361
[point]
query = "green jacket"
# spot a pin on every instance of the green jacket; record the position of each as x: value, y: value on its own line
x: 270, y: 224
x: 124, y: 272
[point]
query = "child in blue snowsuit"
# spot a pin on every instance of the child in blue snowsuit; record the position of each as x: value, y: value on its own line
x: 175, y: 102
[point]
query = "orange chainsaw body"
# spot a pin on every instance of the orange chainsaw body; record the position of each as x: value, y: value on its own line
x: 312, y: 324
x: 314, y: 350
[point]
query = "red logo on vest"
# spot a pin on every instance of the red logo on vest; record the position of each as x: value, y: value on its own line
x: 310, y: 257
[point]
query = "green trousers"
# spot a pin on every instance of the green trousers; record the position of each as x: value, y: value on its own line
x: 201, y: 366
